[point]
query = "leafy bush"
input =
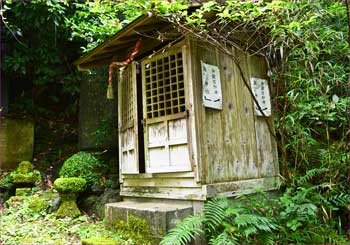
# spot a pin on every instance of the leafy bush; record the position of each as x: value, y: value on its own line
x: 84, y: 165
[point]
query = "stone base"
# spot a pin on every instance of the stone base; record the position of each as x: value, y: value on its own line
x: 68, y: 208
x: 161, y: 217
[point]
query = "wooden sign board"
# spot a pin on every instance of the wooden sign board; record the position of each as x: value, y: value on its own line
x: 261, y: 92
x: 212, y: 95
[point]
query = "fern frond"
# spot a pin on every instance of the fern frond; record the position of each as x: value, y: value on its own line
x: 251, y: 229
x: 339, y: 200
x: 261, y: 223
x: 311, y: 174
x: 185, y: 231
x: 266, y: 238
x: 234, y: 209
x: 214, y: 212
x: 224, y: 238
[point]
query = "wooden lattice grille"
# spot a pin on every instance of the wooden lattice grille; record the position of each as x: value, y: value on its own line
x: 164, y: 84
x: 128, y: 100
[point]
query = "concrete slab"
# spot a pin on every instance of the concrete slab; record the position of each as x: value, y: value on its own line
x: 161, y: 217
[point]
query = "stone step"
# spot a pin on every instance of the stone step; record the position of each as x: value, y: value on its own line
x: 161, y: 217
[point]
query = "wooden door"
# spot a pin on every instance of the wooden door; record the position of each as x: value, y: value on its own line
x: 164, y: 111
x: 127, y: 116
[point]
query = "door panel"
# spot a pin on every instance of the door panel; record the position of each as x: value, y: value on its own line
x: 127, y: 115
x: 167, y: 146
x: 128, y: 151
x: 164, y: 109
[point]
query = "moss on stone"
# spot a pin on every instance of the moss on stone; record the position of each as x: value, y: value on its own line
x: 24, y: 175
x: 16, y: 138
x: 70, y: 185
x: 23, y: 191
x: 38, y: 204
x: 16, y: 201
x: 25, y: 167
x: 98, y: 241
x: 68, y: 189
x: 43, y: 202
x: 136, y: 229
x: 49, y: 194
x: 29, y: 179
x: 68, y: 208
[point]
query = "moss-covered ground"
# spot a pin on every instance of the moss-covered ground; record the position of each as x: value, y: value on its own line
x: 22, y: 225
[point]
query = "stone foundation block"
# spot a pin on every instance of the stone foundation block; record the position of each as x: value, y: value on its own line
x: 161, y: 217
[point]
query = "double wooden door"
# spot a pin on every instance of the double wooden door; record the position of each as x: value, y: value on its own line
x: 164, y: 116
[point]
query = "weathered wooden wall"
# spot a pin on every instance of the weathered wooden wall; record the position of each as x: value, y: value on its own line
x: 233, y: 143
x: 180, y: 185
x: 266, y: 143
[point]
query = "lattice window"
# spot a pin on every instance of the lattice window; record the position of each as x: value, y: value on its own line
x: 164, y: 84
x: 128, y: 99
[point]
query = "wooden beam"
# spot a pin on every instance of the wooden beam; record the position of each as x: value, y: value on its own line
x: 150, y: 27
x: 193, y: 193
x: 102, y: 56
x: 93, y: 64
x: 128, y: 39
x: 240, y: 187
x: 119, y: 46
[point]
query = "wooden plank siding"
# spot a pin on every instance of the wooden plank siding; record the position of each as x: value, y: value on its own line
x: 230, y: 149
x: 163, y: 185
x: 266, y: 143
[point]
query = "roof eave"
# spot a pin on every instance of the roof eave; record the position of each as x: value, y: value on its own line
x: 110, y: 40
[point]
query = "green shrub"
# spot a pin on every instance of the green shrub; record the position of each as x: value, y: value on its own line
x: 70, y: 185
x: 85, y: 165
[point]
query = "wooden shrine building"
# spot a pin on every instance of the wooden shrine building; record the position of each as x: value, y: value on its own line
x: 188, y: 126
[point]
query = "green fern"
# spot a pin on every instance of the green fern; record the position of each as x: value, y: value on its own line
x: 185, y: 231
x: 266, y: 238
x: 339, y: 200
x: 309, y: 175
x: 214, y: 212
x: 224, y: 238
x: 252, y: 224
x: 295, y: 218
